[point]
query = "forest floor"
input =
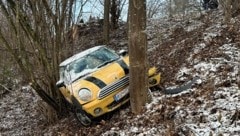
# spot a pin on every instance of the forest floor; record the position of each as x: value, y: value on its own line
x: 181, y: 49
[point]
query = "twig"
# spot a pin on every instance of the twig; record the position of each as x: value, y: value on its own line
x: 5, y: 88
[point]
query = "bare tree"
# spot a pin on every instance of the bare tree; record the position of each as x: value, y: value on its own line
x: 137, y: 53
x: 115, y: 11
x: 116, y: 8
x: 80, y: 5
x: 153, y: 8
x: 35, y: 35
x: 106, y: 21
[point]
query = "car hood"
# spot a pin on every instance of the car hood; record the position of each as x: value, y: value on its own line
x: 102, y: 77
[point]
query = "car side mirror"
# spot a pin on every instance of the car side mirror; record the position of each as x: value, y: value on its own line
x: 60, y: 84
x: 122, y: 52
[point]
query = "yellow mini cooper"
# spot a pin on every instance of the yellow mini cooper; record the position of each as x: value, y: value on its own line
x: 96, y: 81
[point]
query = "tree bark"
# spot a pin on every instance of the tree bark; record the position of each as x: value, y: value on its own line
x: 106, y: 21
x: 137, y: 55
x: 114, y: 13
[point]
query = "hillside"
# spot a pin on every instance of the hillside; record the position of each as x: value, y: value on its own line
x: 202, y: 46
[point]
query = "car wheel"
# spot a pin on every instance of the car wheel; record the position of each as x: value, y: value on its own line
x: 82, y: 117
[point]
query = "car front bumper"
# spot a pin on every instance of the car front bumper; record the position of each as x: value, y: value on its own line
x: 99, y: 107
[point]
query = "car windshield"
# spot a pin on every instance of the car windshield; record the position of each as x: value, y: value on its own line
x: 86, y: 64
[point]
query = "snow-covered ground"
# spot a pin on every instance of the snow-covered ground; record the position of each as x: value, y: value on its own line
x: 211, y: 107
x: 203, y: 47
x: 19, y: 114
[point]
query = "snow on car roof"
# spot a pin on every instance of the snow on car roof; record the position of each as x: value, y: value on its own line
x: 79, y: 55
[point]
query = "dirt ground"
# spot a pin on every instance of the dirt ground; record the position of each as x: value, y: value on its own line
x: 181, y: 49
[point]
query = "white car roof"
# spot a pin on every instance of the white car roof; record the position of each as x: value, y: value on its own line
x: 79, y: 55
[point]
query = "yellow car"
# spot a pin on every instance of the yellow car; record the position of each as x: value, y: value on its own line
x: 96, y: 81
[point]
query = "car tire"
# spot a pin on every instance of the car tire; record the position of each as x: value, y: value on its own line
x: 82, y: 117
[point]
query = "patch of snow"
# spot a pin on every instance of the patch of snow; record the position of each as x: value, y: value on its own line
x: 194, y: 25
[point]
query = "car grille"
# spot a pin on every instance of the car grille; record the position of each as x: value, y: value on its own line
x: 113, y: 87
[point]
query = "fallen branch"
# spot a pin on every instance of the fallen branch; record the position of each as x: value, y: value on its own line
x: 4, y: 87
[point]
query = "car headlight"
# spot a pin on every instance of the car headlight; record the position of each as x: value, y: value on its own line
x: 85, y: 94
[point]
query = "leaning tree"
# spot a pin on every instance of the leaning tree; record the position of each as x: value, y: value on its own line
x: 34, y: 32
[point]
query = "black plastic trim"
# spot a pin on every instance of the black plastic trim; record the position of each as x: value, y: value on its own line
x: 124, y: 66
x: 96, y: 81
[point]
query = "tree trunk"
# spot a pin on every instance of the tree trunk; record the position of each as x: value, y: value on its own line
x: 106, y: 21
x: 115, y: 13
x: 137, y: 55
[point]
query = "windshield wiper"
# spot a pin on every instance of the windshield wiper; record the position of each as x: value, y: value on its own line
x: 106, y: 62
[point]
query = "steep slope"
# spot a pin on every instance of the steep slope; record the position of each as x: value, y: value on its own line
x: 206, y: 48
x: 202, y: 46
